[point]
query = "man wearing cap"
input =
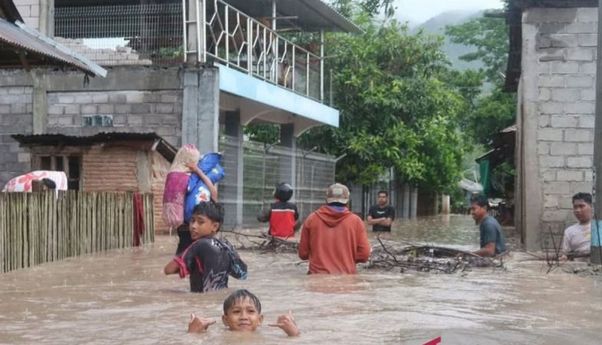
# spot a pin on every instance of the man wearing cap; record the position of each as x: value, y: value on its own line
x: 334, y: 239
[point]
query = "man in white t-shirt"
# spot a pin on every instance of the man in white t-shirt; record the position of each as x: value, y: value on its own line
x: 577, y: 238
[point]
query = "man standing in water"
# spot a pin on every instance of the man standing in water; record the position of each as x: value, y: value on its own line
x: 381, y: 215
x: 577, y: 237
x: 333, y: 238
x: 491, y: 236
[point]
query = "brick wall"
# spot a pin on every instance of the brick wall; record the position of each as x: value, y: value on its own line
x: 160, y: 169
x: 115, y: 169
x: 15, y: 118
x: 109, y: 169
x: 134, y: 111
x: 564, y: 68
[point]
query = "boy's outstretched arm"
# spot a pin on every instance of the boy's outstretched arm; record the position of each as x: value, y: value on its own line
x: 287, y: 324
x: 199, y: 325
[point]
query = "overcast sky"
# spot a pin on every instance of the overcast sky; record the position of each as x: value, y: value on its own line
x: 419, y: 11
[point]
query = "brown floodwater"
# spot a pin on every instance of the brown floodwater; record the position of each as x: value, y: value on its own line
x: 122, y: 297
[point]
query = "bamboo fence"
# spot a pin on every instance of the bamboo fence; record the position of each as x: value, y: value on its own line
x: 41, y: 227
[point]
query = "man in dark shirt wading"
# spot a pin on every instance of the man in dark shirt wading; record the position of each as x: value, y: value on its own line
x: 381, y: 216
x: 491, y: 236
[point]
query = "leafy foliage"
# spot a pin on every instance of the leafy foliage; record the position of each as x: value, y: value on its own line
x: 489, y: 36
x: 266, y: 133
x: 490, y: 111
x: 369, y: 7
x: 396, y: 111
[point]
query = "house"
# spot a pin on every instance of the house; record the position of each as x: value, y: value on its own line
x: 552, y: 67
x: 106, y: 162
x: 26, y: 51
x: 193, y: 72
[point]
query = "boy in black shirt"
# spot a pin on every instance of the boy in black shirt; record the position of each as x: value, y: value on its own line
x: 208, y: 260
x: 381, y: 216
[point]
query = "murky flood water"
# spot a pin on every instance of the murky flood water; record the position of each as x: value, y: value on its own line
x: 122, y: 297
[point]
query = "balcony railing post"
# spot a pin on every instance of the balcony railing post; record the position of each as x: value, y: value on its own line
x: 204, y: 24
x: 184, y: 28
x: 249, y: 46
x: 294, y: 68
x: 227, y: 36
x: 276, y: 63
x: 322, y: 66
x: 307, y: 74
x: 275, y: 44
x: 200, y: 22
x: 263, y: 51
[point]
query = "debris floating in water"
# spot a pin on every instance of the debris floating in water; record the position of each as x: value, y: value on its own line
x: 393, y: 255
x: 426, y: 258
x: 264, y: 243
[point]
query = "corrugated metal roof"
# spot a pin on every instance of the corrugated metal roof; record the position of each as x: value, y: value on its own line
x: 19, y: 35
x: 162, y: 146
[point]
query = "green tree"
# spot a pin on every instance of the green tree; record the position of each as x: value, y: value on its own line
x: 489, y: 36
x: 267, y: 133
x: 368, y: 7
x: 491, y: 110
x: 396, y: 110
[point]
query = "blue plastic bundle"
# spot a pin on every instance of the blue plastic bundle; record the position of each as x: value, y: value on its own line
x: 197, y: 190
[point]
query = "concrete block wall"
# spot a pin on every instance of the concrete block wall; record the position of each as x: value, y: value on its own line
x: 105, y: 56
x: 133, y: 111
x: 15, y: 118
x: 30, y: 11
x: 558, y: 85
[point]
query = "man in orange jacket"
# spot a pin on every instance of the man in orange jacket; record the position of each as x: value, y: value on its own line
x: 333, y: 238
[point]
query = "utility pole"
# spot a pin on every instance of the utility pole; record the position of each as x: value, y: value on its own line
x: 596, y: 247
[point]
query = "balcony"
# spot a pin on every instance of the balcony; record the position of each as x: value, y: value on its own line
x: 209, y: 31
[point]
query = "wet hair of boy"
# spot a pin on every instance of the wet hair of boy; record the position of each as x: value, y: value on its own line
x: 240, y: 295
x: 212, y: 210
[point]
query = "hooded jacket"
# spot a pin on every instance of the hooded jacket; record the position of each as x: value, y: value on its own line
x: 334, y: 240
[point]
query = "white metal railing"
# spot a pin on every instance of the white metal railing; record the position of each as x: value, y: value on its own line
x: 236, y: 40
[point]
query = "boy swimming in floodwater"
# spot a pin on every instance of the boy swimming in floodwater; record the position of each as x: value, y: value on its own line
x: 242, y: 313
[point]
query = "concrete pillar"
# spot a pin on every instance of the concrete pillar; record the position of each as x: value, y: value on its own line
x: 288, y: 163
x: 413, y: 202
x: 234, y: 131
x: 406, y: 201
x: 39, y: 101
x: 528, y: 122
x: 192, y: 41
x: 445, y: 204
x: 46, y: 19
x: 200, y: 111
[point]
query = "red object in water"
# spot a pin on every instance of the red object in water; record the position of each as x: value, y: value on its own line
x: 433, y: 342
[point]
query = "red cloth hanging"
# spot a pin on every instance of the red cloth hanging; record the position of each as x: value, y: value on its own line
x: 138, y: 218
